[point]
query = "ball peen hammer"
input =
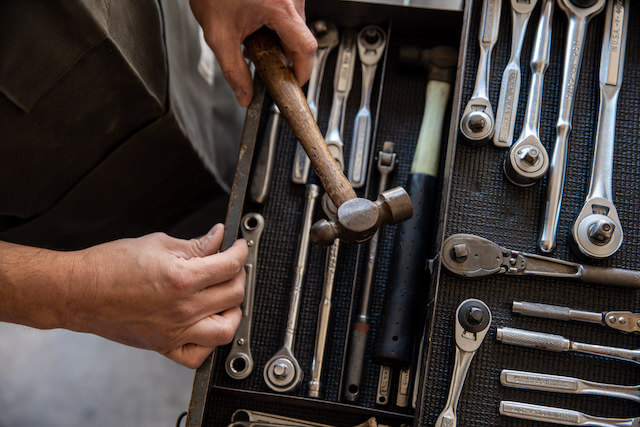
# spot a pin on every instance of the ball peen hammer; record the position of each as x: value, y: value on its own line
x: 357, y: 219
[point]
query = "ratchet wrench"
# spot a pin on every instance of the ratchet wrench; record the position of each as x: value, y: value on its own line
x: 512, y: 77
x: 371, y: 44
x: 559, y: 384
x: 559, y: 343
x: 477, y: 124
x: 528, y: 160
x: 472, y: 321
x: 578, y: 21
x: 473, y: 256
x: 283, y: 372
x: 597, y: 232
x: 239, y: 363
x: 565, y: 417
x: 326, y: 35
x: 623, y: 321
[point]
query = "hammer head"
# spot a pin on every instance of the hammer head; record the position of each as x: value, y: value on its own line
x: 439, y: 62
x: 357, y: 220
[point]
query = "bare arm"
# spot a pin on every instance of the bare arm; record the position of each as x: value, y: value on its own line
x: 177, y: 297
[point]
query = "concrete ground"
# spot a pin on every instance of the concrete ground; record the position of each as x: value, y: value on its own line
x: 64, y: 379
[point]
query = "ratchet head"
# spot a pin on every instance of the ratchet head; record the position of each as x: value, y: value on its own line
x: 239, y: 365
x: 528, y: 161
x: 326, y: 33
x: 597, y: 232
x: 472, y: 256
x: 473, y: 319
x: 282, y: 373
x: 478, y: 123
x: 582, y: 9
x: 371, y: 43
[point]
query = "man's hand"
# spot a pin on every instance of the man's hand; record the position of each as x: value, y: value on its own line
x: 226, y: 23
x: 177, y: 297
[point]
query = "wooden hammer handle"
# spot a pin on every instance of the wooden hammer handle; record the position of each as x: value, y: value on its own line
x: 265, y: 52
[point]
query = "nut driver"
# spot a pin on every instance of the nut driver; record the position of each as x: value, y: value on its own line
x: 512, y: 77
x: 528, y: 160
x: 239, y: 363
x: 579, y: 12
x: 472, y: 321
x: 478, y: 123
x: 623, y: 321
x: 282, y: 372
x: 473, y: 256
x: 597, y: 232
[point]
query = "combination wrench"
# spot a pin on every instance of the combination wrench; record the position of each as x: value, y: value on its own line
x: 510, y: 87
x: 528, y: 159
x: 560, y: 384
x: 478, y: 124
x: 597, y: 232
x: 473, y: 319
x: 239, y: 363
x: 372, y: 42
x: 565, y: 417
x: 579, y: 18
x: 282, y: 372
x: 326, y: 35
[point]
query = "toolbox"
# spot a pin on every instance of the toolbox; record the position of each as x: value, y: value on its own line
x: 473, y: 197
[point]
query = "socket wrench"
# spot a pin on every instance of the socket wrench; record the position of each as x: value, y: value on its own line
x: 565, y: 417
x: 623, y: 321
x: 372, y: 42
x: 239, y: 363
x: 473, y: 320
x: 556, y: 383
x: 477, y: 123
x: 597, y: 232
x: 558, y: 343
x: 528, y: 160
x: 578, y: 21
x: 512, y: 77
x: 282, y: 372
x: 326, y: 35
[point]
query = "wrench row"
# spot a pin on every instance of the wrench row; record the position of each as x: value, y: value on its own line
x: 597, y: 231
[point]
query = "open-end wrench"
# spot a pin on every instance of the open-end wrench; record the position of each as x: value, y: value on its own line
x: 371, y: 44
x: 239, y: 363
x: 326, y: 35
x: 386, y: 164
x: 473, y: 319
x: 477, y: 123
x: 597, y: 232
x: 579, y: 12
x: 473, y: 256
x: 512, y: 77
x: 283, y: 372
x: 559, y: 343
x: 623, y: 321
x: 528, y: 160
x: 559, y: 384
x: 342, y: 81
x: 565, y: 417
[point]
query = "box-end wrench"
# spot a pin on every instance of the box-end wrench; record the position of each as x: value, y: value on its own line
x: 565, y: 417
x: 371, y: 44
x: 579, y: 14
x: 559, y: 343
x: 478, y: 124
x: 473, y: 256
x: 623, y: 321
x: 282, y: 372
x: 597, y: 232
x: 239, y: 363
x: 528, y: 160
x: 387, y: 160
x: 327, y: 38
x: 342, y: 81
x: 472, y: 321
x: 512, y: 77
x: 560, y: 384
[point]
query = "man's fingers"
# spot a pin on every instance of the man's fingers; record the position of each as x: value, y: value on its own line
x: 210, y: 243
x: 217, y: 268
x: 235, y: 69
x: 220, y: 297
x: 214, y: 330
x: 190, y: 355
x: 299, y: 44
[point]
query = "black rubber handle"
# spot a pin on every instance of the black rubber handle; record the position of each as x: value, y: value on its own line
x: 408, y: 278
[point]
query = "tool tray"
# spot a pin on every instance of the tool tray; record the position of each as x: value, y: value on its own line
x: 476, y: 198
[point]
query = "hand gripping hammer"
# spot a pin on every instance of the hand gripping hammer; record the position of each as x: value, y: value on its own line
x: 357, y: 219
